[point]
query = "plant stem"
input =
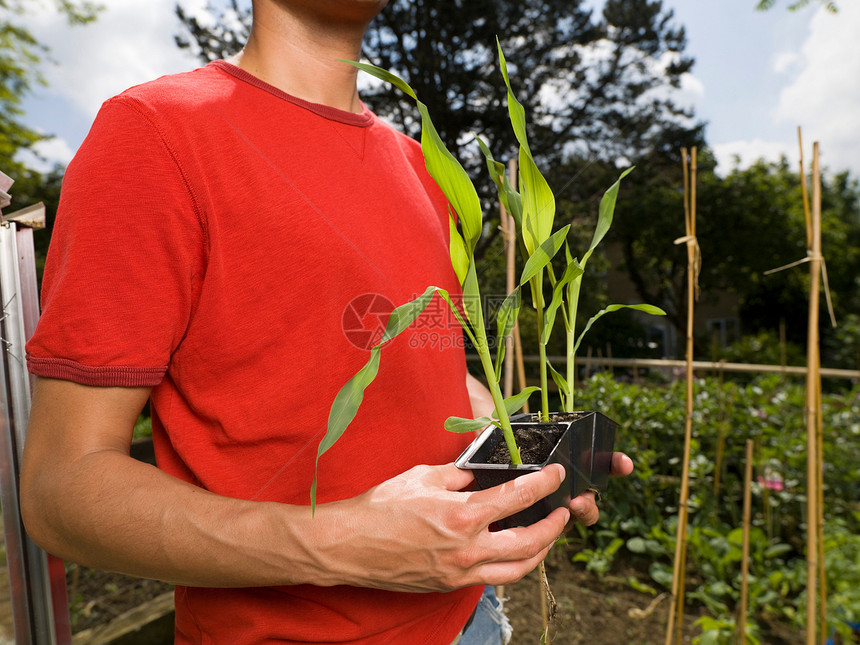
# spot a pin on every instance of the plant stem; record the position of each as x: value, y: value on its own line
x: 537, y: 294
x: 544, y: 396
x: 498, y: 400
x: 572, y: 301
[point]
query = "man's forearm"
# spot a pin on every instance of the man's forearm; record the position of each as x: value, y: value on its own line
x: 109, y: 511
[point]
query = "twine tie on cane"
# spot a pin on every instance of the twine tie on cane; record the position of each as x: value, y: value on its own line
x: 810, y: 256
x: 692, y: 243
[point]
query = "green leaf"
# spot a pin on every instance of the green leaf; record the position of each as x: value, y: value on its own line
x: 560, y: 383
x: 777, y: 550
x: 506, y: 318
x: 472, y: 302
x: 343, y: 411
x: 538, y: 201
x: 571, y: 272
x: 497, y: 171
x: 606, y: 212
x: 349, y: 398
x: 404, y: 315
x: 517, y: 401
x: 466, y: 328
x: 461, y: 425
x: 543, y: 255
x: 383, y: 75
x: 508, y: 195
x: 512, y: 405
x: 459, y: 257
x: 648, y: 309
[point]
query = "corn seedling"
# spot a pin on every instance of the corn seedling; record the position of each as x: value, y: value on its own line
x: 533, y: 210
x: 465, y: 229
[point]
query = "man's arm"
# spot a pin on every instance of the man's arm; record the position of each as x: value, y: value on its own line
x: 84, y: 499
x: 479, y: 397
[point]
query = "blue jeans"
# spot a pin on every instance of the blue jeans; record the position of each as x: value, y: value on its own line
x: 489, y: 624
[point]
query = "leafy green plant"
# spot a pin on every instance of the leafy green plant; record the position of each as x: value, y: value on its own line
x: 533, y: 212
x: 642, y: 508
x: 465, y: 229
x: 716, y: 631
x: 599, y: 560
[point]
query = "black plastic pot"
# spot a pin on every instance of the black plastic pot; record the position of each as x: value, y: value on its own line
x: 594, y: 435
x: 585, y: 450
x: 475, y: 458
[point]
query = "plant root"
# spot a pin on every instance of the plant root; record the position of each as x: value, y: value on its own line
x: 548, y: 603
x: 635, y: 612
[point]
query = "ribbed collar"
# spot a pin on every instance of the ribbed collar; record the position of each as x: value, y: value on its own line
x: 364, y: 119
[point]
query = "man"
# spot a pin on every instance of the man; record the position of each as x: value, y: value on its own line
x: 213, y: 228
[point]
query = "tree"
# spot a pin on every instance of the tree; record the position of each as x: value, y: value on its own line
x: 764, y: 5
x: 20, y: 58
x: 749, y: 222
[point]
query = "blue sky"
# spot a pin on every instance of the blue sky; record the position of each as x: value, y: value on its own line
x: 757, y: 75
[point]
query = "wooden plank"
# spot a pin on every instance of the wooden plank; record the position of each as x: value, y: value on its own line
x: 130, y: 624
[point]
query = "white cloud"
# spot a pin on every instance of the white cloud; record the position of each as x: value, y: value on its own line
x: 745, y: 153
x: 824, y: 97
x: 44, y: 155
x: 131, y: 42
x: 786, y: 61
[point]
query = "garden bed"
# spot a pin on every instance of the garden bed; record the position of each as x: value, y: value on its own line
x: 111, y: 608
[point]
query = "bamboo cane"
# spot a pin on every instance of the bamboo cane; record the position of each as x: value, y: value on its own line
x: 819, y: 526
x: 742, y: 609
x: 822, y: 570
x: 676, y: 618
x: 813, y: 378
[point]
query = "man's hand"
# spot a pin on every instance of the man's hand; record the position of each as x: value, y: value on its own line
x: 583, y: 509
x: 419, y: 532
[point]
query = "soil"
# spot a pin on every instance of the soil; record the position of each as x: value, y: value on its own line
x: 535, y: 444
x: 590, y: 610
x: 607, y: 610
x: 97, y: 597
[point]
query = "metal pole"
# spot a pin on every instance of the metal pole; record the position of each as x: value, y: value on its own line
x: 37, y: 588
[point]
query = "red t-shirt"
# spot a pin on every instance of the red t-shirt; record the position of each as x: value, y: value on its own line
x: 212, y: 233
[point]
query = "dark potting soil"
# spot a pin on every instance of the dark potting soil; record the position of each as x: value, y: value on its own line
x: 535, y: 444
x: 558, y: 416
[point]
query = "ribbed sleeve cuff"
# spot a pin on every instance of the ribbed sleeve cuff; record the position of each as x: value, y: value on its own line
x: 105, y: 376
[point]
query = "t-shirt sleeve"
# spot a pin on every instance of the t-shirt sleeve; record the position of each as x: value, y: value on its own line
x: 126, y: 257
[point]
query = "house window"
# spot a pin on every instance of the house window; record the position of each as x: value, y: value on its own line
x: 723, y: 331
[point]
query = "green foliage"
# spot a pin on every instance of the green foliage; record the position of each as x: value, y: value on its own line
x: 21, y: 57
x: 734, y: 214
x: 718, y: 631
x: 599, y: 560
x: 765, y: 5
x: 142, y: 427
x: 642, y: 509
x: 762, y: 348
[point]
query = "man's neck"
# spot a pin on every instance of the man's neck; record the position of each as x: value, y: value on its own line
x: 297, y: 51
